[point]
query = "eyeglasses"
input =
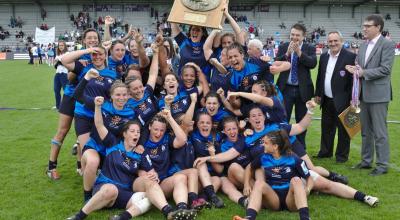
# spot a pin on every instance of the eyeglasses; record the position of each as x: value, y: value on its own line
x: 368, y: 25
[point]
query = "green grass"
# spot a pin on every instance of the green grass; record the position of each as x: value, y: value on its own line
x: 26, y: 193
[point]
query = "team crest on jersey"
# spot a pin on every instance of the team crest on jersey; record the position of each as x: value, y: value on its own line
x: 115, y: 120
x: 288, y: 170
x: 163, y: 147
x: 149, y: 100
x: 154, y: 151
x: 110, y: 81
x: 120, y: 68
x: 245, y: 81
x: 184, y: 102
x: 175, y: 106
x: 255, y: 77
x: 100, y: 79
x: 142, y: 106
x: 276, y: 169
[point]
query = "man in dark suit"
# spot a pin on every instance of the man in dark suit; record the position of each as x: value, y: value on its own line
x: 333, y: 92
x: 375, y: 60
x: 296, y: 84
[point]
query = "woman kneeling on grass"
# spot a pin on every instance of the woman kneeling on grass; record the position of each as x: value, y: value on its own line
x: 123, y: 170
x: 282, y: 187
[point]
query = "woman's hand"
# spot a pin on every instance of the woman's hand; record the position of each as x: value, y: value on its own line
x: 99, y: 100
x: 91, y: 74
x: 108, y: 20
x: 246, y: 189
x: 139, y: 149
x: 199, y: 161
x: 153, y: 176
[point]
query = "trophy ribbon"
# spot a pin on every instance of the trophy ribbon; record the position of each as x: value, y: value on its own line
x: 355, y: 94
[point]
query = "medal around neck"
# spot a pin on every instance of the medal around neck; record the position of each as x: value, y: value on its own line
x: 205, y: 13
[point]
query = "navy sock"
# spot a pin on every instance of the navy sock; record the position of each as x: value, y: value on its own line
x: 191, y: 197
x: 166, y: 209
x: 78, y: 164
x: 52, y: 165
x: 242, y: 200
x: 181, y: 205
x: 209, y: 191
x: 81, y: 215
x: 303, y: 212
x: 251, y: 214
x: 87, y: 195
x: 125, y: 215
x: 359, y: 196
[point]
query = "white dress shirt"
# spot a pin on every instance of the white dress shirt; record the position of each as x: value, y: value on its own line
x: 329, y: 72
x: 371, y: 45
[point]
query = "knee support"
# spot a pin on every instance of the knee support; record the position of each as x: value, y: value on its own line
x: 140, y: 200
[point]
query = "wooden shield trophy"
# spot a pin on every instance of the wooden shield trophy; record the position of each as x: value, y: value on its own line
x: 205, y: 13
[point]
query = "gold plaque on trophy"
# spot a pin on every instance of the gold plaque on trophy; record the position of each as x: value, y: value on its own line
x: 350, y: 119
x: 205, y: 13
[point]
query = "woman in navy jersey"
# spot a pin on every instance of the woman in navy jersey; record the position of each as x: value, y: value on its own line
x: 136, y: 53
x: 99, y: 86
x: 116, y: 61
x: 281, y: 187
x: 177, y: 102
x: 90, y: 39
x: 264, y: 94
x: 234, y: 158
x: 123, y: 170
x: 193, y: 80
x: 142, y: 97
x: 191, y: 46
x: 206, y: 143
x: 220, y: 73
x: 214, y: 108
x: 260, y: 127
x: 158, y: 146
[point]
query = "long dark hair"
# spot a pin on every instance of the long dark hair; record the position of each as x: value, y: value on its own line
x: 281, y: 139
x: 59, y: 52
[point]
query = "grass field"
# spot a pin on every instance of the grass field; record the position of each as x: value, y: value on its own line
x: 26, y: 193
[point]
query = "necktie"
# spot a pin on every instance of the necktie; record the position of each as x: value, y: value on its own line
x: 293, y: 70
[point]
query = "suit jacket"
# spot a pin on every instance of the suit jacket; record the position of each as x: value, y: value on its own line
x: 375, y: 82
x: 341, y: 82
x: 307, y: 61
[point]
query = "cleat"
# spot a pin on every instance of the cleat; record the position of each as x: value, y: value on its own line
x: 53, y: 174
x: 79, y: 172
x: 72, y: 217
x: 340, y: 179
x: 115, y: 217
x: 74, y: 149
x: 371, y: 201
x: 199, y: 204
x: 182, y: 214
x: 246, y: 203
x: 217, y: 202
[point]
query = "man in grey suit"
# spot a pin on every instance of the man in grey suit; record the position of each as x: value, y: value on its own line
x: 375, y: 58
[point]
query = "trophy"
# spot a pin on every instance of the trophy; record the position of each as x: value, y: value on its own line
x: 205, y: 13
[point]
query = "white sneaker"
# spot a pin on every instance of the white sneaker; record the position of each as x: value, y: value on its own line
x: 79, y: 171
x: 372, y: 201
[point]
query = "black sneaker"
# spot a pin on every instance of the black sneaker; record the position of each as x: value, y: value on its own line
x: 199, y: 204
x: 72, y: 218
x: 74, y: 149
x: 217, y: 202
x: 182, y: 214
x: 340, y: 179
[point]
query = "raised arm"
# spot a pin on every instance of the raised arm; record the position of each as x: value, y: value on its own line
x: 253, y: 97
x: 279, y: 66
x: 188, y: 117
x: 180, y: 136
x: 227, y: 104
x: 144, y: 61
x: 68, y: 60
x: 218, y: 158
x: 235, y: 26
x: 175, y: 29
x: 306, y: 121
x: 208, y: 44
x: 80, y: 88
x: 98, y: 117
x: 108, y: 21
x: 154, y: 67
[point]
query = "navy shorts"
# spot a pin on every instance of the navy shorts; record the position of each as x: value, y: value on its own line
x: 83, y: 125
x: 124, y: 195
x: 67, y: 106
x: 282, y: 194
x: 298, y: 148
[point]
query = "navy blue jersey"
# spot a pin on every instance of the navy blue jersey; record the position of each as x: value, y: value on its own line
x: 121, y: 167
x: 279, y: 172
x: 183, y: 157
x: 188, y: 91
x: 129, y: 59
x: 274, y: 114
x: 95, y: 87
x: 159, y: 154
x: 192, y: 52
x: 201, y: 144
x: 146, y: 107
x: 180, y: 104
x: 254, y: 70
x: 220, y: 80
x: 117, y: 66
x: 113, y: 120
x: 240, y: 146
